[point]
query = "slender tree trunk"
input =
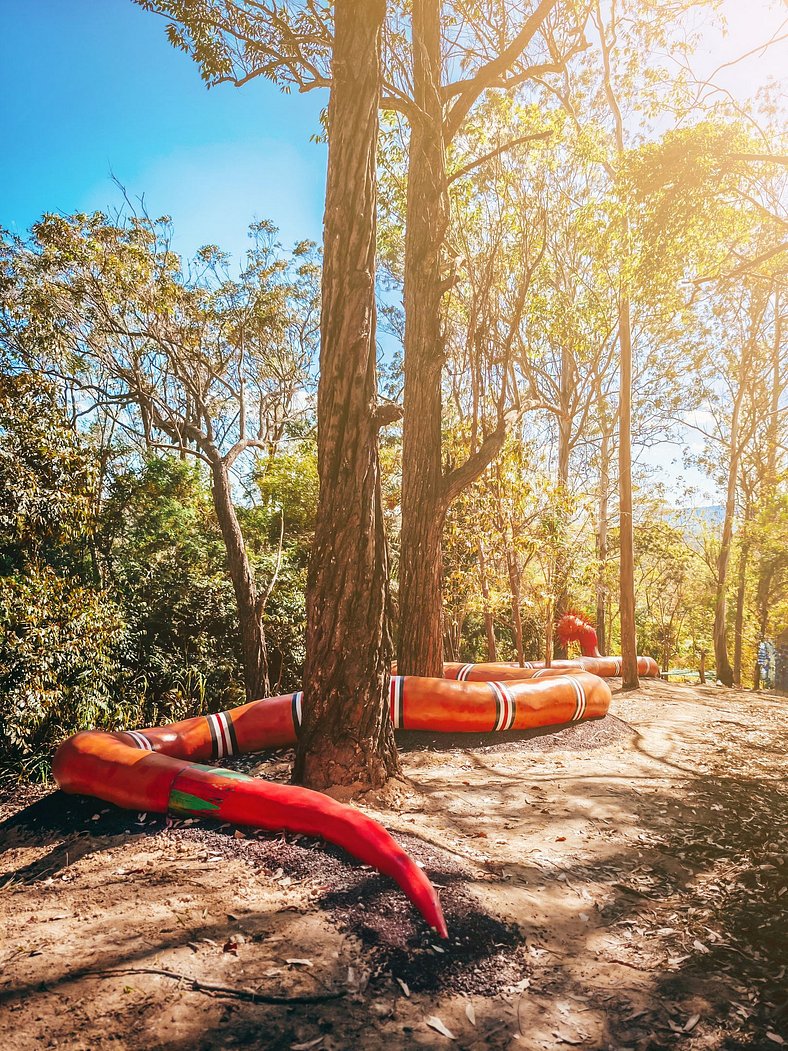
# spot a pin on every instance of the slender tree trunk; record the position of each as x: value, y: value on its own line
x: 489, y: 626
x: 741, y: 589
x: 601, y: 538
x: 702, y: 669
x: 629, y: 660
x: 548, y: 635
x: 252, y: 636
x: 423, y: 505
x: 450, y: 631
x: 765, y: 572
x: 514, y: 587
x: 724, y: 670
x: 564, y: 451
x: 346, y: 736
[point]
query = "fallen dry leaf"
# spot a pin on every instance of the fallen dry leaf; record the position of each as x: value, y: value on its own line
x: 435, y: 1023
x: 566, y: 1038
x: 691, y: 1022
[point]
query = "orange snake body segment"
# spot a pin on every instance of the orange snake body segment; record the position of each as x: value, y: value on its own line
x: 162, y: 769
x: 606, y: 667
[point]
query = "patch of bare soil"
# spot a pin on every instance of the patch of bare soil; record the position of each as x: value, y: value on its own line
x: 617, y: 884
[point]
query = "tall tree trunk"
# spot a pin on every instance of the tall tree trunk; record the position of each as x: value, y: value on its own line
x: 601, y: 536
x: 629, y: 660
x: 765, y: 572
x: 548, y: 634
x: 724, y: 670
x: 564, y: 451
x: 346, y: 735
x: 489, y: 626
x: 514, y: 587
x: 252, y: 636
x: 741, y: 589
x: 423, y: 504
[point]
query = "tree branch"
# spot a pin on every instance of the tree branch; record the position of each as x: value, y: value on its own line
x: 492, y: 70
x: 535, y: 137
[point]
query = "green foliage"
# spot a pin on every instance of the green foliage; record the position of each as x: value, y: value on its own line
x: 59, y: 660
x: 60, y: 638
x: 163, y: 558
x: 288, y: 486
x: 47, y: 477
x: 675, y: 603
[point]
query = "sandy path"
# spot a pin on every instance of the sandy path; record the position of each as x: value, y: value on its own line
x: 617, y: 885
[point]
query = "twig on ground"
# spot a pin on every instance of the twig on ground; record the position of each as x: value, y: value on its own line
x: 213, y: 989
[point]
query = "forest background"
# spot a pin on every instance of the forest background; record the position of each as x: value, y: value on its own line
x: 158, y: 476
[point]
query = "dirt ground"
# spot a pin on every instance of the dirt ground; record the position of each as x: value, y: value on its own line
x: 621, y: 884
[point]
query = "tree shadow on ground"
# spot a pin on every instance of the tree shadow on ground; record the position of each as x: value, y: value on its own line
x: 712, y: 873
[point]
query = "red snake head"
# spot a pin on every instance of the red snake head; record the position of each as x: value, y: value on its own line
x: 574, y: 627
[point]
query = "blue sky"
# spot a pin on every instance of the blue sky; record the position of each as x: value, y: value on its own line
x: 92, y: 88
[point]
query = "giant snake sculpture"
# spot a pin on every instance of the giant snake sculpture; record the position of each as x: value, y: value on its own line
x: 162, y: 769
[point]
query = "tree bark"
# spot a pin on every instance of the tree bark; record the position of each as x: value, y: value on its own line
x: 346, y: 736
x: 423, y: 504
x: 252, y: 637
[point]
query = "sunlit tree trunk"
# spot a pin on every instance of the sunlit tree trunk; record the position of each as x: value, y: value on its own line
x: 629, y: 662
x: 423, y: 504
x: 489, y: 625
x: 346, y: 737
x: 602, y: 535
x: 741, y: 591
x: 765, y: 573
x: 548, y: 634
x: 250, y: 622
x: 724, y: 670
x: 564, y: 452
x: 514, y: 587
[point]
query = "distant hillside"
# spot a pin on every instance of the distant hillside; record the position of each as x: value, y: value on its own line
x: 695, y: 519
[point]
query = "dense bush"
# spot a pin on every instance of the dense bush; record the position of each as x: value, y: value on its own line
x: 162, y: 557
x: 60, y: 669
x: 61, y: 638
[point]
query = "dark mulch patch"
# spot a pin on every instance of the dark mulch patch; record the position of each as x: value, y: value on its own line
x: 482, y: 955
